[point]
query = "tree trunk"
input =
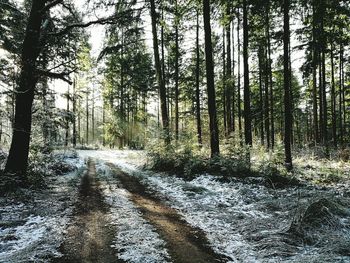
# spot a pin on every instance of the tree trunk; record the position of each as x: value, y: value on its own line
x: 74, y: 139
x: 340, y: 91
x: 261, y: 102
x: 271, y: 95
x: 324, y: 98
x: 198, y: 104
x: 17, y: 160
x: 103, y: 123
x: 333, y: 103
x: 266, y: 90
x: 239, y: 109
x: 314, y: 77
x: 162, y: 90
x: 224, y: 81
x: 287, y: 75
x: 176, y: 72
x: 87, y: 118
x: 67, y: 118
x: 233, y: 114
x: 93, y: 117
x: 214, y: 132
x: 343, y: 91
x: 228, y: 78
x: 247, y: 109
x: 45, y: 125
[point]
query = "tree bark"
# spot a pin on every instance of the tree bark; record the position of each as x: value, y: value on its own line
x: 287, y: 76
x: 239, y: 109
x: 266, y: 90
x: 228, y: 79
x: 161, y: 84
x: 17, y: 160
x: 314, y: 79
x: 214, y: 132
x: 198, y: 104
x: 340, y: 92
x: 271, y: 95
x: 176, y: 72
x: 74, y: 139
x: 67, y: 118
x: 87, y: 117
x: 261, y: 101
x: 247, y: 109
x: 333, y: 103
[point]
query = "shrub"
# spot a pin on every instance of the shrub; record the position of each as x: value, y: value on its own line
x: 230, y: 166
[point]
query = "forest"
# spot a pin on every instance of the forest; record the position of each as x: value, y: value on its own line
x: 152, y: 131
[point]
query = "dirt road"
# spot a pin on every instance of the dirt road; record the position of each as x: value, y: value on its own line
x: 90, y: 235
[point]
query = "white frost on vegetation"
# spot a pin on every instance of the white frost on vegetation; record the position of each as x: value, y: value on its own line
x: 33, y: 230
x: 244, y: 221
x: 136, y: 240
x: 204, y: 203
x: 34, y: 241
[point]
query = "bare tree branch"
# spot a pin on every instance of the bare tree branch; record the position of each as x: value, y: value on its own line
x: 50, y: 5
x: 102, y: 21
x: 55, y: 75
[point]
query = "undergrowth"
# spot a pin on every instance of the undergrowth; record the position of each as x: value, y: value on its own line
x: 189, y: 160
x: 314, y: 164
x: 42, y: 163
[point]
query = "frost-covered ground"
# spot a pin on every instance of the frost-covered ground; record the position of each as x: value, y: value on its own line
x: 244, y: 220
x: 247, y: 222
x: 32, y: 224
x: 136, y: 241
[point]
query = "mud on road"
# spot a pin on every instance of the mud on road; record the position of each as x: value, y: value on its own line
x: 185, y: 243
x: 89, y: 237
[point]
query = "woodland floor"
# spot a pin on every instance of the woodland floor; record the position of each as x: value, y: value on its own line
x: 90, y: 235
x: 110, y: 210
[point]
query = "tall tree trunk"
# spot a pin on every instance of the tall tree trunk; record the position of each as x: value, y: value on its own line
x: 228, y: 79
x: 161, y: 84
x: 247, y: 109
x: 340, y: 91
x: 233, y: 114
x: 324, y: 97
x: 320, y: 95
x: 103, y: 123
x: 74, y: 98
x: 271, y: 95
x: 343, y: 90
x: 214, y: 132
x: 224, y: 81
x: 261, y: 102
x: 79, y: 123
x: 239, y: 109
x: 45, y: 125
x: 333, y: 103
x: 266, y: 90
x: 287, y: 75
x: 198, y: 104
x: 17, y: 160
x: 67, y: 117
x: 93, y: 117
x: 177, y: 54
x: 163, y: 67
x: 314, y: 78
x: 87, y: 118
